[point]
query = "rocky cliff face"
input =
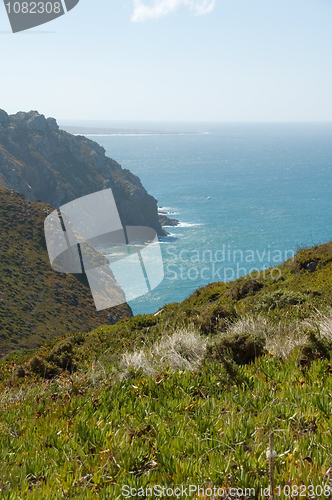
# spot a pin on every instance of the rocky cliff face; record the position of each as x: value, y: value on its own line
x: 46, y: 163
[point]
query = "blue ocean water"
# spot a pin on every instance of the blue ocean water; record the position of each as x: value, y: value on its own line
x: 247, y: 196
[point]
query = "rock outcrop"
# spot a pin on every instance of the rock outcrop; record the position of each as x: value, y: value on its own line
x: 166, y: 221
x: 43, y: 162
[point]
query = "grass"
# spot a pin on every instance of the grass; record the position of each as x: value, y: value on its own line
x: 168, y: 414
x: 76, y: 439
x: 189, y: 396
x: 184, y: 349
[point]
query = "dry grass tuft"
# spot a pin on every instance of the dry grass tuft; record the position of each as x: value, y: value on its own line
x: 251, y: 325
x: 281, y: 338
x: 18, y: 395
x: 322, y: 323
x: 184, y: 349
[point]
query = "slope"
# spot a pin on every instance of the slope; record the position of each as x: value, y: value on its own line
x: 36, y: 303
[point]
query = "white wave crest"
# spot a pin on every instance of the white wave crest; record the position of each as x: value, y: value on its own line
x: 188, y: 224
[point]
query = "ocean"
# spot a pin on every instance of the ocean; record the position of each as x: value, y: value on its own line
x: 247, y: 195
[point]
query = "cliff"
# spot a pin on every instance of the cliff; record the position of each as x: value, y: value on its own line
x: 46, y: 163
x: 36, y: 303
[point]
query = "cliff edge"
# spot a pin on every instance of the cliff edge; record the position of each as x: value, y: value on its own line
x: 45, y: 163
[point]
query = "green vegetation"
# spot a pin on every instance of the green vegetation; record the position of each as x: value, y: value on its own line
x: 189, y: 396
x: 89, y: 433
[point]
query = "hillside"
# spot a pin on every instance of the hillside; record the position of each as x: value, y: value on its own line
x: 304, y: 284
x: 36, y: 303
x: 188, y: 396
x: 46, y: 163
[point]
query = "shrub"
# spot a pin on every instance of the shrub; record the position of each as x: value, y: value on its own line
x: 62, y: 354
x: 37, y: 365
x: 243, y: 347
x: 280, y: 299
x: 316, y: 347
x: 215, y: 319
x: 41, y: 367
x: 318, y: 334
x: 20, y: 372
x: 241, y: 291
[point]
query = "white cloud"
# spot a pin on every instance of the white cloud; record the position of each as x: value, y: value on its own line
x: 159, y: 8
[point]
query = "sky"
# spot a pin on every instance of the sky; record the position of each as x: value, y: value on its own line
x: 173, y: 60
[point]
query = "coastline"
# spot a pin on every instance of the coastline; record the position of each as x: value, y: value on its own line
x: 166, y: 221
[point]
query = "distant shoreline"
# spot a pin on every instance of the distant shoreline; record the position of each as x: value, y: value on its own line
x: 119, y: 131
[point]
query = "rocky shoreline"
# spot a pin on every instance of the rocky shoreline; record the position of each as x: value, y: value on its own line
x: 164, y: 220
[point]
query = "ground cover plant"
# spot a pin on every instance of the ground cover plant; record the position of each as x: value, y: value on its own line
x: 189, y: 396
x: 90, y: 432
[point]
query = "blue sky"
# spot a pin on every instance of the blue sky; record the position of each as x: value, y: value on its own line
x: 241, y: 60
